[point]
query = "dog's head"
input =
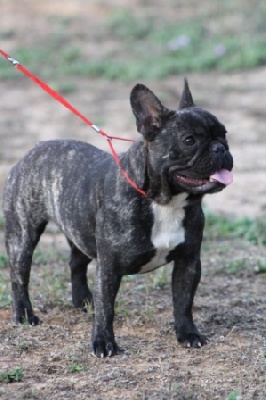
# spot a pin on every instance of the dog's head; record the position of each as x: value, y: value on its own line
x: 187, y: 148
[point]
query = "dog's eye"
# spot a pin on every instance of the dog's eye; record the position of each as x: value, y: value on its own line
x: 189, y: 140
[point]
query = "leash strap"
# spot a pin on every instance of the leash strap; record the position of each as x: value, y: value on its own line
x: 66, y: 104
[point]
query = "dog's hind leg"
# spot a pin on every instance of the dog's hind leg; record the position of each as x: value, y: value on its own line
x: 81, y: 295
x: 21, y: 240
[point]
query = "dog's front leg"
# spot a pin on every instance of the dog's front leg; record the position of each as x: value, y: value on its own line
x: 105, y: 290
x: 185, y: 279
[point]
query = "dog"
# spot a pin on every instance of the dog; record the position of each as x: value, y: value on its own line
x: 181, y: 156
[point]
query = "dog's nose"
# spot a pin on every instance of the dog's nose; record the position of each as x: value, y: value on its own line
x: 217, y: 147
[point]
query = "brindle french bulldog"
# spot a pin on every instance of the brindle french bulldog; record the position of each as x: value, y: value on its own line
x: 181, y: 156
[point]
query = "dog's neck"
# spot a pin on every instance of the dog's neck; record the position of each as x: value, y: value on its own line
x: 157, y: 186
x: 137, y: 164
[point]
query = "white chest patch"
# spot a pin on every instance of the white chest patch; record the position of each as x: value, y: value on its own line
x: 167, y: 231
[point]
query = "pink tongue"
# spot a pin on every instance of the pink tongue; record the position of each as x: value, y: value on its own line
x: 223, y: 176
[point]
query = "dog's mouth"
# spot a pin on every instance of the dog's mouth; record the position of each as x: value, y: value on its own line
x: 220, y: 178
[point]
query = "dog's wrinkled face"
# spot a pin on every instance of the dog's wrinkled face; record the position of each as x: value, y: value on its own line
x: 189, y: 145
x: 197, y: 154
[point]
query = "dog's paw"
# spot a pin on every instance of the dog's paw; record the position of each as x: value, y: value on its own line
x: 34, y: 320
x: 31, y: 320
x: 82, y: 300
x: 102, y: 348
x: 195, y: 340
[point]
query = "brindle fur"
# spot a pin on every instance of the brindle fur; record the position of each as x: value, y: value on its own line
x: 81, y: 189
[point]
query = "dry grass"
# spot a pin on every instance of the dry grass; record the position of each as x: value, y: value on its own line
x: 55, y: 356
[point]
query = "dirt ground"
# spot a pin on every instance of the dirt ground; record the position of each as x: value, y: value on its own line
x: 229, y: 308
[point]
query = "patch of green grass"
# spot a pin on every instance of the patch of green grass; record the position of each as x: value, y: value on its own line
x: 44, y: 257
x: 151, y: 47
x: 161, y: 277
x: 121, y: 309
x: 3, y: 261
x: 223, y: 227
x: 127, y: 27
x: 235, y: 266
x: 149, y: 312
x: 234, y: 396
x: 23, y: 346
x: 54, y: 287
x: 260, y: 267
x: 9, y: 34
x: 1, y: 222
x: 13, y: 375
x: 5, y: 298
x: 74, y: 368
x: 88, y: 307
x: 63, y: 87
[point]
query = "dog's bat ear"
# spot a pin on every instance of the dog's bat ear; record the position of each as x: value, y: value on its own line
x: 186, y: 99
x: 147, y: 109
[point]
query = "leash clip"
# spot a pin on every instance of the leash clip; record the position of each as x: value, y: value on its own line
x: 96, y: 128
x: 13, y: 61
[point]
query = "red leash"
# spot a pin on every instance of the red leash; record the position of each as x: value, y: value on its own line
x: 61, y: 100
